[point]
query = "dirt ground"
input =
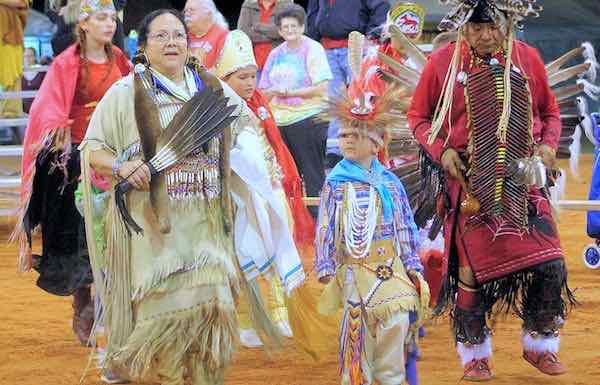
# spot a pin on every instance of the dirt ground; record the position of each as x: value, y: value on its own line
x: 37, y: 346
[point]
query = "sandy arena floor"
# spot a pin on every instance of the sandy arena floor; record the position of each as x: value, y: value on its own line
x: 37, y: 346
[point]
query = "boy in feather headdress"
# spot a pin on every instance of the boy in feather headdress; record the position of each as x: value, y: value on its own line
x: 366, y: 246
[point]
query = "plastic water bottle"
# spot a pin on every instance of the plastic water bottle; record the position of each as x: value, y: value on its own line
x: 132, y: 41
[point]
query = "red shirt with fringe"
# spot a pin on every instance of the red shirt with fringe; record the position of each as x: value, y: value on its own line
x: 51, y: 109
x: 92, y: 84
x: 493, y: 250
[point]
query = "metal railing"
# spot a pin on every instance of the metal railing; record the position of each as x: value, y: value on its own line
x: 570, y: 205
x: 10, y: 155
x: 18, y: 122
x: 18, y: 94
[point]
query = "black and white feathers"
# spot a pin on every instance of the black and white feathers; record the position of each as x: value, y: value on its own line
x: 200, y: 119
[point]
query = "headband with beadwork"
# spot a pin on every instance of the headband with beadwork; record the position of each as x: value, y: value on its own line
x: 89, y: 7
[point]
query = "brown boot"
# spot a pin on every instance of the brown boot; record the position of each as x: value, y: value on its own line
x: 83, y: 315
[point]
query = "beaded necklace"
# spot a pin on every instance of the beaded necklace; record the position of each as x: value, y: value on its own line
x: 360, y: 223
x: 495, y: 58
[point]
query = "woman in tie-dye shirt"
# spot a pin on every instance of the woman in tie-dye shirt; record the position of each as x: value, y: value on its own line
x: 295, y: 80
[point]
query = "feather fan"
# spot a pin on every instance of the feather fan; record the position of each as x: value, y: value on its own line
x: 201, y: 119
x: 586, y: 51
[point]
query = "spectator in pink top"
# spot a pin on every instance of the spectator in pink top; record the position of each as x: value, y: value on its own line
x: 295, y: 79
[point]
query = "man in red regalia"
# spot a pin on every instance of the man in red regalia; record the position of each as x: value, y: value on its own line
x: 483, y: 109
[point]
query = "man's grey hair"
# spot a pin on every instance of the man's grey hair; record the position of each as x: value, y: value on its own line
x: 71, y: 14
x: 218, y: 17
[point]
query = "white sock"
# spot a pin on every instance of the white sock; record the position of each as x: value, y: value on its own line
x: 540, y: 344
x: 469, y: 352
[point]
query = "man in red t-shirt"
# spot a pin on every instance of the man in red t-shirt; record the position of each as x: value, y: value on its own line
x: 207, y: 30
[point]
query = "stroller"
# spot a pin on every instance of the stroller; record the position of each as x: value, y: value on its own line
x: 591, y: 254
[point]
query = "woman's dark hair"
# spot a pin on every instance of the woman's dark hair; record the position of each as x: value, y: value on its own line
x: 144, y: 26
x: 294, y: 11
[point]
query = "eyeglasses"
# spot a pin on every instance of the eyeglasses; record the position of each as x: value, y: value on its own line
x: 164, y: 36
x: 349, y: 135
x: 290, y: 27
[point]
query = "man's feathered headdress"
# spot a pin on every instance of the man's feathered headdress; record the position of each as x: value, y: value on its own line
x: 482, y: 11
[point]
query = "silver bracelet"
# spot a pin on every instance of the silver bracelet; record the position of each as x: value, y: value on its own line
x: 116, y: 166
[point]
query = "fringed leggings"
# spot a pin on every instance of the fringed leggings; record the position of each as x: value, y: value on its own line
x: 538, y: 295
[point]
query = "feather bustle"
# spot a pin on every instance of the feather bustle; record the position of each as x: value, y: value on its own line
x: 409, y: 48
x: 356, y: 43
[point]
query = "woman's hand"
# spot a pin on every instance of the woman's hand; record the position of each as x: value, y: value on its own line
x: 283, y: 93
x: 414, y: 277
x: 137, y: 173
x: 270, y: 94
x: 62, y: 138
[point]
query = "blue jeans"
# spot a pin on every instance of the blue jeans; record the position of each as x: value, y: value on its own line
x: 338, y: 62
x: 258, y: 74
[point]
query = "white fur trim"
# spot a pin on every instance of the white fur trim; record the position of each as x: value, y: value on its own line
x: 588, y: 51
x: 591, y: 90
x: 469, y: 352
x: 540, y: 344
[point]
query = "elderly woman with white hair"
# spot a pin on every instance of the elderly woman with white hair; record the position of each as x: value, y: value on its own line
x: 208, y: 30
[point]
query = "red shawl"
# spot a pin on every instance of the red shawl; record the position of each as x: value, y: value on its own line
x: 50, y: 110
x: 304, y: 225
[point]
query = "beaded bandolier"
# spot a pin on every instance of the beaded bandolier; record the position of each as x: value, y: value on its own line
x: 491, y: 151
